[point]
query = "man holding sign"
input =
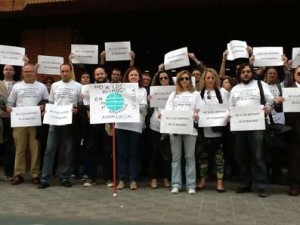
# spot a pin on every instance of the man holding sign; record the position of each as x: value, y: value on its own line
x: 63, y: 93
x: 250, y: 141
x: 28, y: 92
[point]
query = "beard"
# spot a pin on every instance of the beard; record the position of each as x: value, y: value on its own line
x: 246, y: 81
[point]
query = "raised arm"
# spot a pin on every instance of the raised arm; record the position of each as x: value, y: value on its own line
x: 132, y: 59
x: 222, y: 72
x: 102, y: 58
x: 200, y: 65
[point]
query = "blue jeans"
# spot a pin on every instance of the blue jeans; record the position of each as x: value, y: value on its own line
x: 127, y: 142
x: 250, y: 153
x: 57, y: 135
x: 189, y: 143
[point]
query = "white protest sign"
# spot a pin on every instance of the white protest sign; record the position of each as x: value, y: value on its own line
x: 213, y: 115
x: 29, y: 116
x: 247, y: 118
x: 177, y: 58
x: 237, y: 49
x: 49, y: 64
x: 85, y: 91
x: 85, y: 54
x: 160, y: 95
x: 268, y: 56
x: 291, y: 101
x: 117, y: 51
x: 295, y: 57
x: 177, y: 121
x: 12, y: 55
x: 58, y: 114
x: 114, y: 103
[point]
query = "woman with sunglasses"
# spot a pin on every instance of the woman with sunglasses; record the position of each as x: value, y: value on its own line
x: 183, y: 98
x: 159, y: 165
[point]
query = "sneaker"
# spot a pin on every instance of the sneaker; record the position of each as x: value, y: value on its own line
x: 109, y: 183
x: 121, y: 185
x: 191, y: 191
x: 89, y: 183
x: 66, y: 183
x: 133, y: 185
x: 175, y: 190
x: 43, y: 185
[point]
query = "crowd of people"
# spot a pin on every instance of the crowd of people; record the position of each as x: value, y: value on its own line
x: 207, y: 153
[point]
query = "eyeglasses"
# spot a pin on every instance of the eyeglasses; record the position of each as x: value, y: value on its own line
x: 298, y: 74
x: 184, y: 78
x: 163, y: 78
x: 208, y: 95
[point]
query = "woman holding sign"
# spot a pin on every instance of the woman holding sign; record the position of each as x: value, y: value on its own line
x: 128, y: 134
x: 211, y: 139
x: 183, y: 98
x: 159, y: 163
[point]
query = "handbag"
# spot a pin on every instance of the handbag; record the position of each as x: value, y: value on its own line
x: 276, y: 134
x: 165, y: 147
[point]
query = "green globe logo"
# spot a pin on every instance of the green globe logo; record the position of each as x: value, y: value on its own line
x: 114, y: 102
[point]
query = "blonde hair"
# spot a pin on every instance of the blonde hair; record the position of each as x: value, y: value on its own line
x: 216, y: 75
x: 179, y: 87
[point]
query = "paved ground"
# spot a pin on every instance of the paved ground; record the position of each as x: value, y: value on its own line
x: 26, y: 205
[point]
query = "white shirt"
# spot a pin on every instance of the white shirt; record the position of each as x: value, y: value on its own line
x: 27, y: 94
x: 136, y: 127
x: 184, y: 101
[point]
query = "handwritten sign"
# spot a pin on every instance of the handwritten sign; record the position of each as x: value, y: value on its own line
x: 114, y: 102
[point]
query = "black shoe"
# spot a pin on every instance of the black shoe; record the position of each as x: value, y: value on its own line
x: 43, y: 185
x: 66, y: 183
x: 293, y: 191
x: 243, y: 190
x: 220, y: 190
x: 262, y: 193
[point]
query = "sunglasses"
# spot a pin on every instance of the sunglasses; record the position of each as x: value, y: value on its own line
x: 184, y: 78
x: 208, y: 95
x: 163, y: 78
